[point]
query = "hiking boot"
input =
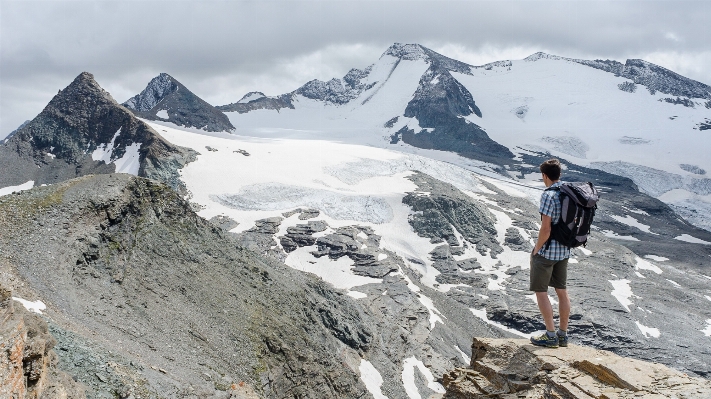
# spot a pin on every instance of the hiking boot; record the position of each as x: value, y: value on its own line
x: 562, y: 340
x: 545, y: 340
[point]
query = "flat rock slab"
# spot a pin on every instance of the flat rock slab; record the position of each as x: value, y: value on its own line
x: 503, y: 367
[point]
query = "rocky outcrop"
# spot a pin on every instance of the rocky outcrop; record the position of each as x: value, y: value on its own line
x: 84, y: 131
x: 28, y: 365
x: 513, y: 368
x: 166, y: 99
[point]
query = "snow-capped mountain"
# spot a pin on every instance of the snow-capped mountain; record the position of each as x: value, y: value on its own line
x: 84, y: 131
x: 408, y: 187
x: 590, y: 113
x: 166, y: 99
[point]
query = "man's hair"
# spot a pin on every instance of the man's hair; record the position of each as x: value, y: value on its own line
x: 551, y: 168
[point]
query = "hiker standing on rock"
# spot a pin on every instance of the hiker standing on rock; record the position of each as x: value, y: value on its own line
x: 549, y: 261
x: 566, y: 212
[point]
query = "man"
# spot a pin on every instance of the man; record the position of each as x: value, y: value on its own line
x: 549, y: 263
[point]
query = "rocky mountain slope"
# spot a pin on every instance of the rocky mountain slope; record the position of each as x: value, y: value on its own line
x: 179, y: 307
x: 166, y: 99
x: 515, y: 367
x: 84, y: 131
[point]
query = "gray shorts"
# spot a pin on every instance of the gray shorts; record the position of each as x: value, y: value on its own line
x: 548, y: 273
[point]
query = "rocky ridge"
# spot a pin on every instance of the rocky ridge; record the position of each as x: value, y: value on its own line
x: 84, y: 131
x: 503, y: 368
x: 166, y: 99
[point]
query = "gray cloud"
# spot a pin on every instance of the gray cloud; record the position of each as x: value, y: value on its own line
x: 220, y: 50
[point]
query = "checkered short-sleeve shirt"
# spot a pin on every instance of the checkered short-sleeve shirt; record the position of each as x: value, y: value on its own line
x: 550, y: 206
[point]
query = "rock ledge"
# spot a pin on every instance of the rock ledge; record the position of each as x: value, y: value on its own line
x: 513, y: 368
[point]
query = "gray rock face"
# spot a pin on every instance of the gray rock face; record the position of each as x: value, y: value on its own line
x: 439, y: 103
x: 224, y: 222
x: 166, y: 99
x: 301, y: 235
x: 440, y: 208
x: 57, y: 145
x: 361, y: 245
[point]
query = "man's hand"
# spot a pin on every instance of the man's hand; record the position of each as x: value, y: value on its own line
x: 543, y: 234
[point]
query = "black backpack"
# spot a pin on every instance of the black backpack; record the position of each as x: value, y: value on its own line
x: 578, y: 202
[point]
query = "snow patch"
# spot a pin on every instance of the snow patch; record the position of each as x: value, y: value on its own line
x: 130, y: 161
x: 657, y: 258
x: 642, y: 264
x: 630, y: 221
x: 707, y: 330
x: 647, y: 331
x: 104, y: 151
x: 371, y: 379
x: 612, y: 234
x: 10, y: 189
x: 464, y: 356
x: 337, y: 272
x: 622, y: 292
x: 36, y: 306
x: 382, y: 257
x: 586, y: 251
x: 357, y: 294
x: 249, y: 97
x: 481, y: 313
x: 674, y: 283
x: 691, y: 239
x: 163, y: 114
x: 408, y: 378
x: 707, y: 297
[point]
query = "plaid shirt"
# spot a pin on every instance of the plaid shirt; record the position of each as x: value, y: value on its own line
x: 550, y: 206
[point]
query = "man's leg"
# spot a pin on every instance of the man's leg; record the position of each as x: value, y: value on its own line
x: 563, y: 307
x: 544, y: 305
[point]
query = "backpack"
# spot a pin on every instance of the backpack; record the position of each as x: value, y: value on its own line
x: 578, y: 202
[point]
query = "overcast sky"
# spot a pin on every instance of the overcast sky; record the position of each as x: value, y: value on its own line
x: 222, y: 50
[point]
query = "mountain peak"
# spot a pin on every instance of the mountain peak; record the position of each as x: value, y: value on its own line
x: 157, y: 88
x: 406, y: 51
x: 543, y: 56
x: 412, y: 52
x: 164, y: 98
x: 84, y: 85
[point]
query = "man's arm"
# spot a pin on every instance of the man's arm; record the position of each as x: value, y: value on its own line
x: 543, y: 234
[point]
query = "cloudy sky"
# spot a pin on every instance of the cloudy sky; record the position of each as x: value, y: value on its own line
x: 221, y: 50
